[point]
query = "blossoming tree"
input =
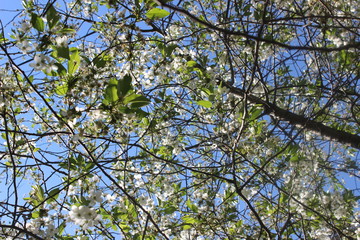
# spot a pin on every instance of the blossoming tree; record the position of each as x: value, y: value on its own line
x: 189, y: 119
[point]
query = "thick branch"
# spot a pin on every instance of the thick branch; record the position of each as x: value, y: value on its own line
x: 24, y: 231
x: 352, y: 140
x: 252, y: 37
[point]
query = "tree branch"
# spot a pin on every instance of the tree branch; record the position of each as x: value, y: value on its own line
x: 350, y: 139
x: 257, y: 38
x: 3, y: 226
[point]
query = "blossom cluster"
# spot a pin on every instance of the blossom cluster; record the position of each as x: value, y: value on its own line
x: 84, y: 216
x: 43, y: 63
x: 169, y: 126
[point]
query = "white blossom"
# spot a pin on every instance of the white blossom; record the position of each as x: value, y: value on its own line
x: 84, y: 216
x: 43, y: 63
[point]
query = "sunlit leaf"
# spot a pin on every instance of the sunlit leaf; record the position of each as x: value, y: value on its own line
x: 74, y: 61
x: 124, y: 86
x: 61, y: 89
x: 37, y: 22
x: 191, y: 63
x: 52, y: 17
x: 192, y: 206
x: 63, y: 52
x: 204, y: 103
x: 157, y: 13
x: 53, y: 195
x: 111, y: 94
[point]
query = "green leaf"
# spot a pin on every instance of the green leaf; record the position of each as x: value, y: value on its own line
x: 39, y: 192
x: 66, y: 31
x: 139, y: 102
x: 192, y: 206
x: 170, y: 210
x: 166, y: 50
x: 132, y: 210
x: 72, y: 80
x: 89, y: 166
x: 141, y: 113
x: 53, y: 195
x: 125, y: 228
x: 62, y: 52
x: 157, y: 13
x: 74, y: 61
x: 186, y: 227
x: 61, y: 228
x: 101, y: 60
x: 61, y: 89
x: 114, y: 227
x: 124, y: 86
x: 52, y: 17
x: 80, y: 161
x: 61, y: 71
x: 35, y: 214
x: 207, y: 91
x: 295, y: 158
x: 136, y: 100
x: 111, y: 94
x: 189, y: 220
x: 37, y: 22
x: 125, y: 109
x: 204, y: 103
x: 31, y: 200
x: 255, y: 114
x: 191, y: 63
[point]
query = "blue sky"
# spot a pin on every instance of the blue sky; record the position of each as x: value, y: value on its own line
x: 8, y: 10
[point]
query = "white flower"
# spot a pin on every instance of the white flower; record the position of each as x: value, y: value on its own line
x: 25, y: 46
x: 95, y: 196
x: 72, y: 122
x: 95, y: 179
x: 110, y: 198
x: 96, y: 114
x: 75, y: 138
x: 340, y: 212
x: 72, y: 190
x: 40, y: 61
x: 84, y: 216
x: 137, y: 176
x: 147, y: 203
x: 42, y: 226
x: 61, y: 41
x: 43, y: 63
x: 81, y: 238
x: 25, y: 27
x: 336, y: 40
x: 51, y: 230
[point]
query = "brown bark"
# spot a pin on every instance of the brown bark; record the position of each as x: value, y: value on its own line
x: 340, y: 136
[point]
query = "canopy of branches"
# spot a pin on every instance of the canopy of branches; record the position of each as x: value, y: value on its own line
x: 180, y: 119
